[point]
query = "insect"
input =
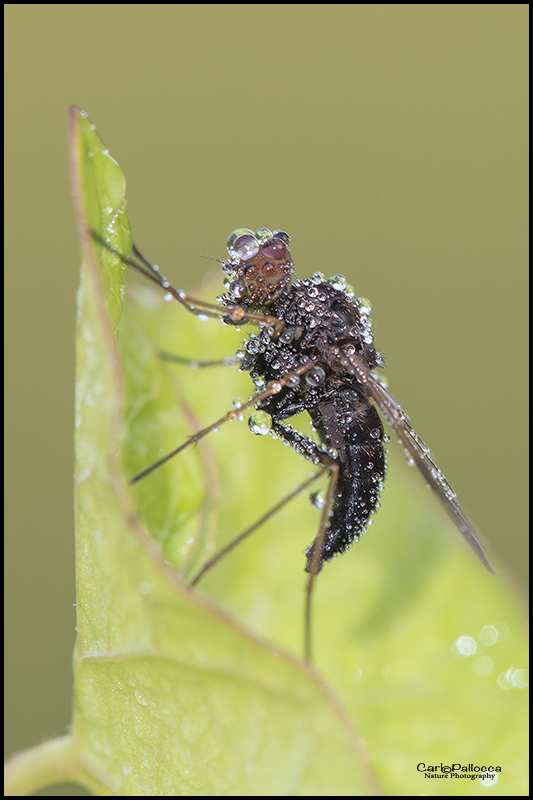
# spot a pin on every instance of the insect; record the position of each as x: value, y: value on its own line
x: 314, y: 351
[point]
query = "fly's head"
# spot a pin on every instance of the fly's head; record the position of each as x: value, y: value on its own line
x: 259, y: 267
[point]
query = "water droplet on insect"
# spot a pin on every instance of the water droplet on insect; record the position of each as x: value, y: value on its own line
x: 236, y: 290
x: 315, y: 376
x: 241, y: 243
x: 337, y: 281
x: 283, y: 235
x: 317, y: 500
x: 260, y: 423
x: 364, y: 304
x: 263, y: 235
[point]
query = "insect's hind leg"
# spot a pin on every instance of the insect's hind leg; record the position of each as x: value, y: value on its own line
x: 269, y: 514
x: 309, y: 448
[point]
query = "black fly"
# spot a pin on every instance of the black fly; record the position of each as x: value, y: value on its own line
x: 314, y: 352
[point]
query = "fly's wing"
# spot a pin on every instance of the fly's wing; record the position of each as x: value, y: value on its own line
x: 399, y: 422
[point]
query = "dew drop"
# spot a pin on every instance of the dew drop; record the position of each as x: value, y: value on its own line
x: 260, y: 423
x: 317, y: 500
x: 263, y: 235
x: 338, y: 282
x: 315, y: 376
x: 241, y: 243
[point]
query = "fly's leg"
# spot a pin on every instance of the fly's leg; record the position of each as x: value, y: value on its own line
x: 192, y: 363
x: 308, y: 448
x: 269, y: 514
x: 234, y: 315
x: 316, y: 563
x: 272, y: 388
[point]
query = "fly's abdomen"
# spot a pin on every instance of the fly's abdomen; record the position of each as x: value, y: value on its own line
x: 351, y: 425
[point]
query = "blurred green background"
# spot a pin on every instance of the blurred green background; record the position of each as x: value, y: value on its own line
x: 388, y: 140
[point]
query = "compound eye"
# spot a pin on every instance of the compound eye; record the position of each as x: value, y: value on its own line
x: 276, y: 249
x: 242, y: 244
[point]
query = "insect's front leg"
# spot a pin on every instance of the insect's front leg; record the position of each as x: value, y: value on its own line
x: 234, y: 315
x: 227, y: 361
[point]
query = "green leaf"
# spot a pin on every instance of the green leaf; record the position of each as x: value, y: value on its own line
x: 425, y: 647
x: 173, y: 696
x: 180, y: 694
